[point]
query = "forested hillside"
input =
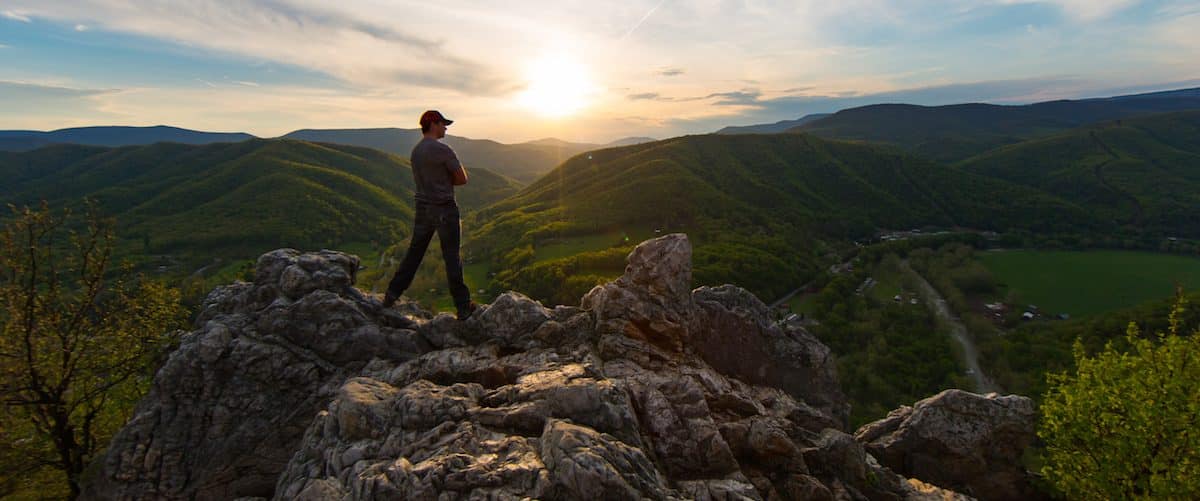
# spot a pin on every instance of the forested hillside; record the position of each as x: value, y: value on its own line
x: 1143, y: 173
x: 759, y: 207
x: 234, y: 198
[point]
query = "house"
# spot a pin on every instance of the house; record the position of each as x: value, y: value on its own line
x: 1027, y: 315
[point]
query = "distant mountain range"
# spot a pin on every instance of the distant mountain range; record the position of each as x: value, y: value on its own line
x: 521, y: 161
x: 956, y: 132
x: 24, y: 140
x: 775, y: 128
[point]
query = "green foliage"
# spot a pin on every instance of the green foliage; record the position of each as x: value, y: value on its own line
x: 1020, y: 359
x: 889, y: 354
x: 78, y: 341
x: 1124, y: 424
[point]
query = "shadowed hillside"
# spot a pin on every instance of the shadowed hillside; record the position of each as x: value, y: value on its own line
x: 955, y: 132
x: 1142, y: 172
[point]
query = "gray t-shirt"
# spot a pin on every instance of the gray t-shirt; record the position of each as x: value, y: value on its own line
x: 434, y: 165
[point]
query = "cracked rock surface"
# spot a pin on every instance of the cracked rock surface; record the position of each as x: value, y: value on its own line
x: 297, y: 386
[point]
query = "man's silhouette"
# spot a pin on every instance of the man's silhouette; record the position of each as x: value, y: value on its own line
x: 436, y: 171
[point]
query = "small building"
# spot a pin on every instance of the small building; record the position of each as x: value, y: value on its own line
x: 896, y: 298
x: 1027, y: 315
x: 1064, y: 316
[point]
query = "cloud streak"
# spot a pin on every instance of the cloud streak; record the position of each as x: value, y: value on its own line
x: 16, y: 16
x: 366, y: 53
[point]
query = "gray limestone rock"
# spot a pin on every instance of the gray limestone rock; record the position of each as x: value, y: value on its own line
x: 298, y: 386
x: 959, y: 440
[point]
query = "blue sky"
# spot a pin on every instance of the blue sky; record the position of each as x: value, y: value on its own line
x: 573, y: 69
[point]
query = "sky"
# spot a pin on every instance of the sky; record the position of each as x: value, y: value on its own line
x: 577, y: 70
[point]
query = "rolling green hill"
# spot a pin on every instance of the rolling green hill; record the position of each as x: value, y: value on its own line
x: 955, y: 132
x: 235, y: 199
x: 1142, y: 172
x: 756, y: 206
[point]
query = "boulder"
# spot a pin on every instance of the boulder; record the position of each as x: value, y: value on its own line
x: 230, y: 406
x: 959, y: 440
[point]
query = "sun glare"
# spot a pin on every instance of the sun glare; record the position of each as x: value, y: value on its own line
x: 557, y: 87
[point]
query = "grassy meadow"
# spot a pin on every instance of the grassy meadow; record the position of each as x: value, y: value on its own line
x: 1090, y: 282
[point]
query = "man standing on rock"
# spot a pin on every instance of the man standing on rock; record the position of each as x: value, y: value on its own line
x: 436, y: 171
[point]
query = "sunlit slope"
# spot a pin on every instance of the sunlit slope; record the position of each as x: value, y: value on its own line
x: 246, y: 196
x: 757, y: 205
x: 1142, y: 172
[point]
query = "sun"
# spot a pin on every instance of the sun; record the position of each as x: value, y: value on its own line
x: 558, y: 86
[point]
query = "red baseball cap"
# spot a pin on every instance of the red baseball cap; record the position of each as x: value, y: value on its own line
x: 434, y: 116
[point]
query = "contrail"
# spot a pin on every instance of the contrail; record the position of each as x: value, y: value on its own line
x: 644, y: 18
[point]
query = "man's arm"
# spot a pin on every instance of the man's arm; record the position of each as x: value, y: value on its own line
x: 458, y: 172
x: 460, y: 175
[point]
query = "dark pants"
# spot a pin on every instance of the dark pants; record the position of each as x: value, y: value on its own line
x: 444, y: 220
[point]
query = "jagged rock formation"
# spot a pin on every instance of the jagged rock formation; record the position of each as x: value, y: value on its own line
x: 297, y: 386
x: 959, y: 440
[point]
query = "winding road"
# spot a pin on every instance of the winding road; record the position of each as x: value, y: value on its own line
x: 937, y: 304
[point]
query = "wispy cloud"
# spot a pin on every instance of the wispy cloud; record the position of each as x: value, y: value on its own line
x: 643, y: 19
x: 81, y: 27
x: 370, y: 52
x: 1084, y: 10
x: 645, y: 96
x: 2, y: 46
x: 16, y: 16
x: 670, y: 72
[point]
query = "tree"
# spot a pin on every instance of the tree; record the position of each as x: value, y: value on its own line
x: 77, y: 339
x: 1125, y: 424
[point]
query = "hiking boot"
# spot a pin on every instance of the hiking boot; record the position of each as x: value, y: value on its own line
x: 389, y: 299
x: 465, y: 311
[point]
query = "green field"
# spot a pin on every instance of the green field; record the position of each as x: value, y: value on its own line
x: 1084, y: 283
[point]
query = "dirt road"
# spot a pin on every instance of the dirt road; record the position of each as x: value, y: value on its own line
x: 937, y: 304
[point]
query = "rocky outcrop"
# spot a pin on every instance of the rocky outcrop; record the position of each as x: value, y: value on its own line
x: 227, y: 410
x: 959, y: 440
x: 297, y: 386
